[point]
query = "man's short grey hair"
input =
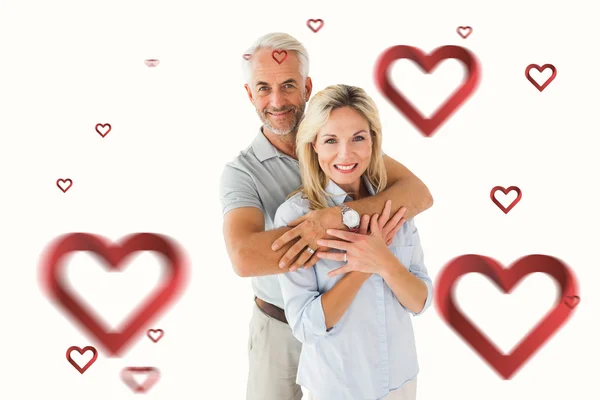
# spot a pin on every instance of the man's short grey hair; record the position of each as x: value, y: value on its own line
x: 277, y: 41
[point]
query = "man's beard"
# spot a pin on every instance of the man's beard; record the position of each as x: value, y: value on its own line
x: 297, y: 114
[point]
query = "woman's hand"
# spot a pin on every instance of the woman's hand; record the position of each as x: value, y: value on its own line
x: 313, y: 225
x: 364, y: 253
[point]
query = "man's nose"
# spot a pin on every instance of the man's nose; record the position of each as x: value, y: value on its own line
x: 277, y: 99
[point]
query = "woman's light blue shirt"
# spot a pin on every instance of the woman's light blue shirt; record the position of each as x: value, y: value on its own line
x: 371, y: 350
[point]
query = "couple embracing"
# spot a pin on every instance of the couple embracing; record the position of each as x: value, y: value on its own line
x: 322, y: 221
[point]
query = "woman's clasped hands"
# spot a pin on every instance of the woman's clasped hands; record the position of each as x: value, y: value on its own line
x: 365, y: 251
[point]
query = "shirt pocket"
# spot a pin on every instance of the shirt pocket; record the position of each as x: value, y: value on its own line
x: 403, y: 252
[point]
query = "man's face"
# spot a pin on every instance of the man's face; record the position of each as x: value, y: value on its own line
x: 277, y: 91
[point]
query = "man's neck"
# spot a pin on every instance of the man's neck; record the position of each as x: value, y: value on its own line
x: 284, y: 143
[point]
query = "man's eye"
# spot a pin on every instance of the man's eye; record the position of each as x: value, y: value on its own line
x: 262, y: 87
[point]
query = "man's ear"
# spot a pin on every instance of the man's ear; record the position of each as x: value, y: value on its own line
x: 308, y: 88
x: 249, y: 91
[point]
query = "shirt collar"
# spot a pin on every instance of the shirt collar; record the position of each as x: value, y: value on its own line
x: 265, y: 149
x: 339, y: 196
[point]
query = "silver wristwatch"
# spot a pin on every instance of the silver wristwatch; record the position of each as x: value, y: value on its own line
x: 350, y: 218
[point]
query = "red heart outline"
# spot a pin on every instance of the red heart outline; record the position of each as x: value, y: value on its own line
x: 505, y: 191
x: 284, y: 52
x: 311, y: 21
x: 150, y: 331
x: 540, y: 69
x: 505, y: 279
x: 427, y: 63
x: 64, y: 181
x: 52, y: 280
x: 127, y: 377
x: 461, y: 28
x: 572, y: 301
x: 82, y: 352
x: 102, y: 126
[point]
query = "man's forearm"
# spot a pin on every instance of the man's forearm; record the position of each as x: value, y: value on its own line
x: 337, y: 300
x: 256, y: 258
x: 409, y: 193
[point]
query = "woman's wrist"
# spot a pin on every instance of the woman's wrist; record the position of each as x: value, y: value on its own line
x: 390, y: 267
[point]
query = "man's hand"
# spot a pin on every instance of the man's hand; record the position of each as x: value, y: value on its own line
x: 313, y: 226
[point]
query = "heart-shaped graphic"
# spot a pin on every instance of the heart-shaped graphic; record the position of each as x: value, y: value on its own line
x: 572, y: 301
x: 464, y: 31
x: 151, y: 62
x: 155, y: 334
x: 505, y: 191
x: 505, y: 279
x: 152, y: 375
x: 427, y: 63
x: 103, y: 126
x: 53, y: 281
x: 540, y: 70
x: 311, y: 23
x: 247, y: 56
x: 64, y: 184
x: 278, y: 53
x: 82, y: 352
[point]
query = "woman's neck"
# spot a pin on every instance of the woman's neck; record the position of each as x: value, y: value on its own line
x: 356, y: 189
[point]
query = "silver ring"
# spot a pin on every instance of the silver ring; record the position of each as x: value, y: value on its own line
x: 345, y: 258
x: 311, y: 251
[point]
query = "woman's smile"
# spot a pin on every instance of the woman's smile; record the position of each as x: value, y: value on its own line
x: 346, y: 168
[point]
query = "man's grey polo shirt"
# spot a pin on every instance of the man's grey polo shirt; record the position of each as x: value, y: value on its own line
x: 262, y: 177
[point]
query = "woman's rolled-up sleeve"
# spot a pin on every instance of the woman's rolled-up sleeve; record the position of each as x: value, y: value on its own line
x: 301, y: 296
x: 417, y: 268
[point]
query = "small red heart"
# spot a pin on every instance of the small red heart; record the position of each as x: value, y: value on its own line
x: 155, y: 334
x: 151, y: 62
x: 279, y: 52
x: 460, y: 30
x: 571, y: 301
x: 427, y: 63
x: 506, y: 280
x: 82, y: 352
x: 247, y: 56
x: 103, y: 126
x: 540, y: 69
x: 60, y: 183
x: 53, y: 280
x: 152, y: 375
x: 312, y: 22
x: 505, y: 191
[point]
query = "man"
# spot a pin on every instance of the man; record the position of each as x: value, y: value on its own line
x: 258, y: 181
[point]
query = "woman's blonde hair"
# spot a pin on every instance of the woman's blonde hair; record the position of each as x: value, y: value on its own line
x: 314, y: 180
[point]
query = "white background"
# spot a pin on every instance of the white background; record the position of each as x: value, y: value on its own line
x: 66, y: 66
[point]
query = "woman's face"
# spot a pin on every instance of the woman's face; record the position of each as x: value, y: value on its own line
x: 344, y: 146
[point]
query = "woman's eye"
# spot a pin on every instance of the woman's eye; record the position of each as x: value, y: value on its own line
x: 360, y: 137
x: 329, y: 141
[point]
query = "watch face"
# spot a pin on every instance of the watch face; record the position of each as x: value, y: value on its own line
x: 351, y: 219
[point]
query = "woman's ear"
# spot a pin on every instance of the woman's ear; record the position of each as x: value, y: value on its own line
x: 313, y: 144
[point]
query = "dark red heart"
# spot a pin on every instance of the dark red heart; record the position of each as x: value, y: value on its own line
x: 427, y: 126
x: 53, y: 281
x: 505, y: 279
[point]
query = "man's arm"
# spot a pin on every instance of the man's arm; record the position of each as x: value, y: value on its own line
x: 249, y: 245
x: 403, y: 188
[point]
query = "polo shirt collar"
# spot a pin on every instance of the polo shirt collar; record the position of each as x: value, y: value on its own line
x: 264, y: 149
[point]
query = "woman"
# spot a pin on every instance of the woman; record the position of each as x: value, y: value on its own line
x: 352, y: 310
